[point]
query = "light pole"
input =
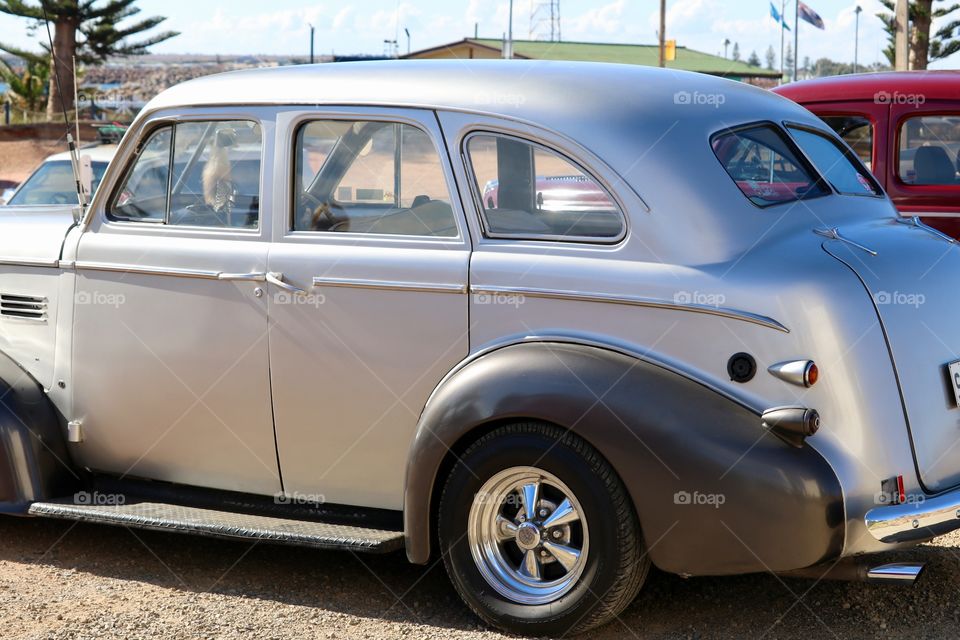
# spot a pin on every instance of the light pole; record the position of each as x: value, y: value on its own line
x: 311, y: 42
x: 856, y: 38
x: 663, y: 34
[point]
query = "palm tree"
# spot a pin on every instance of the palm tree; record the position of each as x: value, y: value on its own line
x: 88, y: 31
x: 27, y: 86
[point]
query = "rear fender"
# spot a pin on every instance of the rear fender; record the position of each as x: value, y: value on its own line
x: 715, y: 493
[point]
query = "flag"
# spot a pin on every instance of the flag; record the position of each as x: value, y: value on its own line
x: 776, y: 16
x: 806, y: 13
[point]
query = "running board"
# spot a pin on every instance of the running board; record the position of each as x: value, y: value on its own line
x: 225, y: 524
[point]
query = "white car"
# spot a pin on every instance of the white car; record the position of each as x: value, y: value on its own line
x: 53, y: 181
x: 688, y: 331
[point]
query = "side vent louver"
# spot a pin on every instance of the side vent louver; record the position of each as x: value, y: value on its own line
x: 23, y: 307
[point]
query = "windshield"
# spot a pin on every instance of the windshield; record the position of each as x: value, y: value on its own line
x: 53, y: 183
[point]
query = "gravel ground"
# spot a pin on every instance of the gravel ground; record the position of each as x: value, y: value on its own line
x: 60, y: 580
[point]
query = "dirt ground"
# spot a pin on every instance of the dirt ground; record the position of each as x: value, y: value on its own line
x: 19, y: 158
x: 71, y: 581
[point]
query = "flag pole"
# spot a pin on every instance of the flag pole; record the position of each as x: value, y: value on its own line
x: 796, y: 38
x: 783, y: 10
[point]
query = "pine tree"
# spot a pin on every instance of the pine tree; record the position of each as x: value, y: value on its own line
x: 754, y: 59
x: 88, y: 30
x: 771, y: 57
x: 923, y: 49
x: 736, y: 51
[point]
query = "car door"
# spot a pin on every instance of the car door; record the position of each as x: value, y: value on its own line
x: 925, y: 158
x: 170, y: 361
x: 371, y: 256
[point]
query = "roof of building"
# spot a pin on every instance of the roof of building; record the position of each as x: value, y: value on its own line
x: 934, y: 85
x: 639, y: 54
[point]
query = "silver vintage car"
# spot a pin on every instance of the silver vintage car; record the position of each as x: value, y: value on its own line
x: 552, y: 323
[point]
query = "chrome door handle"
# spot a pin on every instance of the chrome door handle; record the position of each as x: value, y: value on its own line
x: 277, y: 279
x: 254, y: 277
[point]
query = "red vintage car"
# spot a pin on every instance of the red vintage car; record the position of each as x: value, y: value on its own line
x: 905, y: 126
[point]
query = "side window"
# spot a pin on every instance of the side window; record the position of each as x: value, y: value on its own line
x: 857, y: 132
x: 143, y: 195
x: 195, y: 173
x: 835, y: 163
x: 930, y: 150
x: 528, y: 191
x: 370, y: 177
x: 764, y: 166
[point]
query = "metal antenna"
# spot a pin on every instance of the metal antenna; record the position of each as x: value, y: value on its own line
x: 71, y: 143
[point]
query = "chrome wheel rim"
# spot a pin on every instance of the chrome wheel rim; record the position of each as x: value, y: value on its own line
x: 528, y: 535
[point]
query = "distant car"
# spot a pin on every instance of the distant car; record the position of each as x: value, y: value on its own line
x: 53, y: 181
x: 7, y: 187
x: 905, y: 126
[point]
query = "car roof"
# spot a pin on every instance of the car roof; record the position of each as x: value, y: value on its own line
x: 98, y: 153
x: 507, y: 87
x: 934, y: 85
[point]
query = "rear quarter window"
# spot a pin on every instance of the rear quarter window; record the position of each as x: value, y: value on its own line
x: 835, y: 163
x: 765, y: 167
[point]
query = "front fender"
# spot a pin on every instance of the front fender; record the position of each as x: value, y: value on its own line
x: 715, y: 493
x: 34, y: 463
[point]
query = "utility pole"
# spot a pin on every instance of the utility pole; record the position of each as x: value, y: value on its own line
x: 663, y: 33
x: 901, y: 57
x: 796, y: 37
x: 856, y: 39
x: 508, y: 45
x: 783, y: 11
x: 311, y: 43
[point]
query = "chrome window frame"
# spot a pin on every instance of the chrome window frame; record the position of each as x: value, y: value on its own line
x: 847, y: 152
x: 791, y: 144
x: 148, y: 130
x: 293, y: 129
x: 477, y: 197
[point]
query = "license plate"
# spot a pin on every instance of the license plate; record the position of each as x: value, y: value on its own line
x: 954, y: 369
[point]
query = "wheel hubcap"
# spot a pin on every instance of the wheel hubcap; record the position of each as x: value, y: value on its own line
x: 527, y: 535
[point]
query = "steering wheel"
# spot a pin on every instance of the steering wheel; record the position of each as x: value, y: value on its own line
x: 319, y: 210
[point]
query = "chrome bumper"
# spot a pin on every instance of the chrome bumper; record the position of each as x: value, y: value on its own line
x: 915, y: 521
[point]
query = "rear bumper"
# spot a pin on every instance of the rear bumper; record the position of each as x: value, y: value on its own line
x: 915, y: 521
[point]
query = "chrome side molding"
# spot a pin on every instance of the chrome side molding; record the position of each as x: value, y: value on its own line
x: 639, y: 301
x: 389, y: 285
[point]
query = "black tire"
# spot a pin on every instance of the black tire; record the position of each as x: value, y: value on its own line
x: 616, y: 564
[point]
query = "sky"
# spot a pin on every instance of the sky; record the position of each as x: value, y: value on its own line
x: 250, y: 27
